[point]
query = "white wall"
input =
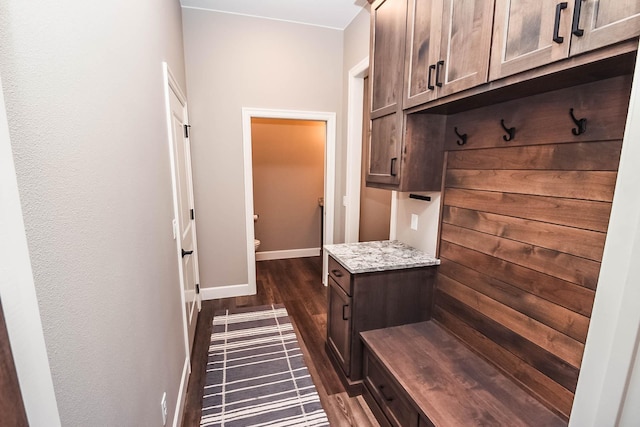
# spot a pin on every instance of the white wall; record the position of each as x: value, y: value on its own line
x: 425, y: 237
x: 84, y: 93
x: 612, y: 342
x: 232, y: 62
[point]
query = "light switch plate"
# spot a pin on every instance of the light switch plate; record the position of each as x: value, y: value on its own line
x: 414, y: 221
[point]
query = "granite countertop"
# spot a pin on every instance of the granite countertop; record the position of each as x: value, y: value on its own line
x: 366, y: 257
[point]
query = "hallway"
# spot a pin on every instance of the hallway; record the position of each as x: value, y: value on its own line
x: 296, y: 284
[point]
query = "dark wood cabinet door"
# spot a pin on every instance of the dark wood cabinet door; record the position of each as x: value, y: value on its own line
x: 388, y: 23
x: 424, y: 22
x: 466, y: 43
x: 388, y: 28
x: 385, y: 149
x: 339, y: 325
x: 605, y: 22
x: 523, y: 35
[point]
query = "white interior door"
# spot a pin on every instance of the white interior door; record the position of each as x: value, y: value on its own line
x: 185, y: 227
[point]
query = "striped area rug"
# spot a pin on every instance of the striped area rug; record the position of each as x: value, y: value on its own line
x: 256, y: 375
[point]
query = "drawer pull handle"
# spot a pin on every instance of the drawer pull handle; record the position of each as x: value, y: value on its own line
x: 344, y: 316
x: 576, y: 30
x: 431, y: 69
x: 556, y: 26
x: 438, y: 71
x: 384, y: 395
x: 336, y: 273
x: 393, y: 171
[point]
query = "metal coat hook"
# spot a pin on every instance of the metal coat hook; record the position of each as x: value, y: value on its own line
x: 463, y: 137
x: 511, y: 132
x: 580, y: 123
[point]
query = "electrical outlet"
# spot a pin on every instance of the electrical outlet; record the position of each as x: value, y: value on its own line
x: 163, y: 407
x: 414, y: 221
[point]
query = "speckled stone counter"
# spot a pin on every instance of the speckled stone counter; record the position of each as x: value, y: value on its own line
x: 385, y: 255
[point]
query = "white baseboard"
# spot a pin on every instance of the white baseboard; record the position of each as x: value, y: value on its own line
x: 292, y: 253
x: 182, y: 394
x: 227, y: 291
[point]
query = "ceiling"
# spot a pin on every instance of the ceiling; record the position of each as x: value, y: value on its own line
x: 325, y: 13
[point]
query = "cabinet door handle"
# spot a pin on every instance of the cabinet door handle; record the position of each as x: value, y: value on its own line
x: 344, y: 316
x: 393, y: 171
x: 429, y: 85
x: 384, y: 395
x: 336, y: 273
x: 438, y: 70
x: 575, y: 28
x: 556, y: 27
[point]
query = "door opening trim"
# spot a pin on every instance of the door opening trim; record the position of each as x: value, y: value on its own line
x: 329, y: 178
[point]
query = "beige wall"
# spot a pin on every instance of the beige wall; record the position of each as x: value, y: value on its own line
x: 85, y: 105
x: 288, y: 179
x: 232, y: 62
x: 356, y: 48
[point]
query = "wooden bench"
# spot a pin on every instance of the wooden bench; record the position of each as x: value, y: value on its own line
x: 420, y: 375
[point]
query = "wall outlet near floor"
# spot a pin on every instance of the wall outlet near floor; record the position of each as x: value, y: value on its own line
x: 163, y: 406
x: 414, y: 221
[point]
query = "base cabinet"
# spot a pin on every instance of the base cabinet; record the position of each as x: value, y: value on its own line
x: 339, y: 325
x: 362, y: 302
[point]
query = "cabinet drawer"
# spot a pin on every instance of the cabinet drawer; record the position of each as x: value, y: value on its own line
x: 387, y: 394
x: 340, y: 275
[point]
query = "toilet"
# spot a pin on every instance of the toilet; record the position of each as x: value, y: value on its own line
x: 256, y: 242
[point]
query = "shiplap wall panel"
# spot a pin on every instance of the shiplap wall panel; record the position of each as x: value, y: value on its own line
x: 538, y: 383
x: 523, y: 232
x: 602, y: 156
x: 558, y: 291
x: 575, y: 241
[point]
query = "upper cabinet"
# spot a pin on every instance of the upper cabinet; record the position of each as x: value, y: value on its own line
x: 599, y: 23
x: 389, y: 19
x: 531, y: 33
x: 448, y: 44
x: 388, y: 23
x: 429, y: 51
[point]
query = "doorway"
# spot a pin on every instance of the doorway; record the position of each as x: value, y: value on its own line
x: 329, y: 118
x: 288, y: 187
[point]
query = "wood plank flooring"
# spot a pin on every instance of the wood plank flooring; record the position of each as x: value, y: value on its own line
x: 297, y: 284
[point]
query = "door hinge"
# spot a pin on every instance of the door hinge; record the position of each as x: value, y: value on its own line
x: 197, y: 288
x: 186, y: 131
x: 193, y: 214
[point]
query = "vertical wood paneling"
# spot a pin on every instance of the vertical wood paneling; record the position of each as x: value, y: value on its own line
x: 521, y: 241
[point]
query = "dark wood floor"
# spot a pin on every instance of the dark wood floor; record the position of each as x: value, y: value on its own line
x: 297, y: 284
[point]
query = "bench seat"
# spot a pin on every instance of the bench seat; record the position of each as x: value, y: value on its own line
x: 421, y: 375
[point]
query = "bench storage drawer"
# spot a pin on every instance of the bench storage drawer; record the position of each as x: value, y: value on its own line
x: 389, y: 396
